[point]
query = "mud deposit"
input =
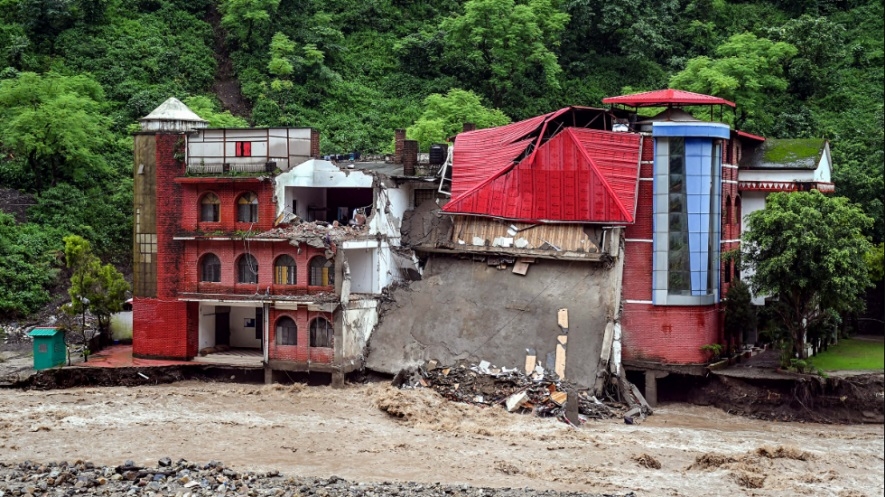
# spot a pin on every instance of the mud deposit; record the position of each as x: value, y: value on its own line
x: 372, y: 434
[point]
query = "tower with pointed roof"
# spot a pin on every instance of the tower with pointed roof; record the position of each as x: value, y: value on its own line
x: 159, y: 154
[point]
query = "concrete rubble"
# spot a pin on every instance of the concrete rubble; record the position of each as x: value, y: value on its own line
x: 184, y: 478
x: 541, y: 393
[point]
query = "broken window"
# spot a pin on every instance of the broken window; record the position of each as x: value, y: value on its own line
x: 247, y: 269
x: 210, y: 269
x: 243, y: 149
x: 284, y: 270
x: 322, y: 272
x: 247, y: 208
x: 209, y: 205
x: 287, y: 332
x: 321, y: 333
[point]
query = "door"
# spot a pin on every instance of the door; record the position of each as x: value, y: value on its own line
x: 222, y: 328
x: 259, y: 325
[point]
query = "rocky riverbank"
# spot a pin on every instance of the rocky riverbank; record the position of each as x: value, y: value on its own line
x: 188, y: 479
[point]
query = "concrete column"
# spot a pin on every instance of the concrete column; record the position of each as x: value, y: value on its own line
x: 268, y: 375
x: 651, y: 388
x: 338, y: 379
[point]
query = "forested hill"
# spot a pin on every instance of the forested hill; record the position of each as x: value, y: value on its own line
x: 76, y: 74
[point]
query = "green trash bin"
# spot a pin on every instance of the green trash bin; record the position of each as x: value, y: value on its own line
x: 49, y: 347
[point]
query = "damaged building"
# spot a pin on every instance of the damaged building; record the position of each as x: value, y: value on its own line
x: 584, y: 241
x: 250, y: 249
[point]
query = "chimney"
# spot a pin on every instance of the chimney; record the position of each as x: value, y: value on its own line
x: 468, y: 127
x: 398, y: 138
x: 410, y: 157
x: 314, y: 144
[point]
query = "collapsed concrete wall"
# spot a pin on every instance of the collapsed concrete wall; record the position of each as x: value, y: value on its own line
x: 466, y: 309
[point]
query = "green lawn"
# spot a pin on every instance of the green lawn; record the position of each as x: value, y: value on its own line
x: 852, y: 354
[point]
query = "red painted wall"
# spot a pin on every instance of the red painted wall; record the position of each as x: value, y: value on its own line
x: 265, y: 253
x: 302, y: 352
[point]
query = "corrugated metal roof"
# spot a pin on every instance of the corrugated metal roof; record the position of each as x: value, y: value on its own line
x: 44, y: 332
x: 579, y: 175
x: 751, y: 136
x: 666, y: 97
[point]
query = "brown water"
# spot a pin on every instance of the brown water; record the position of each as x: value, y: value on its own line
x: 318, y: 431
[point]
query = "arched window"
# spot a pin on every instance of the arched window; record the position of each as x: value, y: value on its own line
x: 247, y: 269
x: 209, y: 205
x: 247, y: 208
x: 287, y: 332
x: 322, y: 272
x: 284, y: 270
x: 737, y: 212
x: 210, y: 268
x: 728, y: 218
x: 321, y: 333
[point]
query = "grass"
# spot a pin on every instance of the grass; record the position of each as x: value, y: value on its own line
x: 852, y: 354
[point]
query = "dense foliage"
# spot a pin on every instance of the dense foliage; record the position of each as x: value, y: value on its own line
x: 76, y: 74
x: 808, y: 250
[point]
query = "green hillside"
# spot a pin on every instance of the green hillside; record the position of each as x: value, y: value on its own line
x: 76, y: 74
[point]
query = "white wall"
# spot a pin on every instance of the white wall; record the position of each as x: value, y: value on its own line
x: 360, y: 318
x: 824, y: 170
x: 240, y: 336
x: 207, y: 326
x: 304, y: 197
x: 316, y: 174
x: 786, y: 175
x: 390, y: 205
x: 363, y: 270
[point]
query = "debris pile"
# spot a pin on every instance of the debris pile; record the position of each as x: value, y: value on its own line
x: 214, y: 478
x: 541, y: 393
x: 317, y: 234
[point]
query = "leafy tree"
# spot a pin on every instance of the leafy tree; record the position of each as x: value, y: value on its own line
x: 748, y: 70
x: 876, y: 262
x: 807, y: 250
x: 98, y: 289
x: 444, y: 116
x: 502, y: 41
x: 206, y: 108
x: 243, y: 17
x: 27, y: 266
x: 740, y: 313
x: 56, y: 125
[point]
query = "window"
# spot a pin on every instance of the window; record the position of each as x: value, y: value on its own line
x: 247, y: 208
x: 322, y: 272
x: 247, y: 269
x: 728, y: 212
x: 284, y: 270
x: 209, y: 208
x: 210, y: 268
x: 321, y: 333
x: 287, y: 332
x: 243, y: 149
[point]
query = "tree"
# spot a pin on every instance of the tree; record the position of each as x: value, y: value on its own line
x: 502, y: 42
x: 749, y: 71
x: 206, y: 108
x: 242, y: 17
x: 56, y: 125
x: 98, y: 289
x: 740, y: 313
x: 444, y: 116
x: 807, y: 250
x: 27, y: 266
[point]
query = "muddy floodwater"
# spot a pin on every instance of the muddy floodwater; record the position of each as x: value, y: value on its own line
x: 318, y: 431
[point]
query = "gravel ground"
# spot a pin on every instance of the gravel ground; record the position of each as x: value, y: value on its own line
x: 185, y: 479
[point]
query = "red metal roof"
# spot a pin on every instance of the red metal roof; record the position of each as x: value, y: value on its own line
x: 750, y: 136
x: 578, y: 175
x: 666, y: 97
